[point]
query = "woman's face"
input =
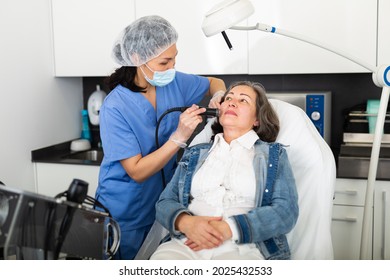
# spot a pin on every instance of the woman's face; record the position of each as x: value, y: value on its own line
x: 166, y: 60
x: 238, y: 110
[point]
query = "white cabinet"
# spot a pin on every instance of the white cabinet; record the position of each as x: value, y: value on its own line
x: 381, y: 236
x: 383, y: 32
x: 53, y: 178
x: 84, y: 33
x: 347, y: 218
x: 348, y: 25
x: 197, y: 53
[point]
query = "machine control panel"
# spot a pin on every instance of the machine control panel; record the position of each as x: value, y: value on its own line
x: 315, y: 110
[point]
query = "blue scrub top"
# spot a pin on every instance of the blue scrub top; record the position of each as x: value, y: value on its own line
x: 127, y: 127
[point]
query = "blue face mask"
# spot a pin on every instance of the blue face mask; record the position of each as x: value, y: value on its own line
x: 160, y: 78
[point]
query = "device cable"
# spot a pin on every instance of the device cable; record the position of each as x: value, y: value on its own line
x: 213, y: 112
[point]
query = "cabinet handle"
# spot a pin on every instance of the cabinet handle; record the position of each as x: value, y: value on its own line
x: 346, y: 219
x: 348, y: 192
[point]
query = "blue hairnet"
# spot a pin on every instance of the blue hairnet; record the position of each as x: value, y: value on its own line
x: 143, y: 40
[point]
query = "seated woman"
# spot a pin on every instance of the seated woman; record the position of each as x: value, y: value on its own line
x: 233, y: 198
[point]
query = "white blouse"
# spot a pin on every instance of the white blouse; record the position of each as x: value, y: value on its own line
x: 225, y: 184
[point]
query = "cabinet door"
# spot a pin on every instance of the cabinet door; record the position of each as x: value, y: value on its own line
x: 347, y: 218
x: 381, y: 246
x: 350, y: 192
x: 346, y: 231
x: 197, y: 53
x: 84, y: 33
x: 52, y: 179
x: 348, y: 25
x: 383, y: 33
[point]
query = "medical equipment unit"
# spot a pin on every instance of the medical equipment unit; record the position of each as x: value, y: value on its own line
x: 316, y: 105
x: 226, y: 14
x: 37, y: 227
x: 354, y: 156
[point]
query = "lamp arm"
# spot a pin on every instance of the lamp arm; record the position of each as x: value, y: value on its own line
x: 272, y: 29
x: 372, y: 171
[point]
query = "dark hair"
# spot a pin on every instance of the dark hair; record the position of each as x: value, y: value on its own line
x: 268, y: 128
x: 124, y: 76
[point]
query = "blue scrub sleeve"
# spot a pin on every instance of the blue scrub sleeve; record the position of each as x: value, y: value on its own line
x: 118, y: 138
x: 193, y: 87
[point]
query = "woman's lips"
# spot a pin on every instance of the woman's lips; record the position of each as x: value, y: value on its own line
x: 230, y: 112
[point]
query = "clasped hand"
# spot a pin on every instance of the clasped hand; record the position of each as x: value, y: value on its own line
x: 203, y: 232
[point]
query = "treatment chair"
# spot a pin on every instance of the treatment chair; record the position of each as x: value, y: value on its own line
x: 314, y: 169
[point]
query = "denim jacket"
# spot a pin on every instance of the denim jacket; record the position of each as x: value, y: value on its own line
x: 276, y: 200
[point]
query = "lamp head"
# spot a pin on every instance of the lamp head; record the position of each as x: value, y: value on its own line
x: 225, y: 15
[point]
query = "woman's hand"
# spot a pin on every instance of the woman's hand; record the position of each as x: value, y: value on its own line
x: 141, y: 167
x: 200, y: 233
x: 188, y: 122
x: 221, y: 226
x: 215, y: 101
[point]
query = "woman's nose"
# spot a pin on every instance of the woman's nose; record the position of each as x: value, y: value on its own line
x: 232, y: 103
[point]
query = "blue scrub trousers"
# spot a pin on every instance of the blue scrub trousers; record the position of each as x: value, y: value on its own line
x: 130, y: 243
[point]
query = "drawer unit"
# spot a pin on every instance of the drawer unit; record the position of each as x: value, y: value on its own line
x: 347, y: 218
x: 350, y: 192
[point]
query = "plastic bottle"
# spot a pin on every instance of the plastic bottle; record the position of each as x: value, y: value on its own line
x: 95, y: 101
x: 85, y: 132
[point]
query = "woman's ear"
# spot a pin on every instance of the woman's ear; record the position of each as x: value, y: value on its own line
x: 136, y: 59
x: 257, y: 123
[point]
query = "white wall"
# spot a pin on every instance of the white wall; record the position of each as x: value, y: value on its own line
x: 36, y: 109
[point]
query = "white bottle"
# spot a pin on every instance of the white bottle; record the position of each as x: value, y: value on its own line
x: 95, y: 101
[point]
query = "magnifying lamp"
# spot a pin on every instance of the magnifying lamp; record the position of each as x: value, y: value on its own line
x: 228, y: 13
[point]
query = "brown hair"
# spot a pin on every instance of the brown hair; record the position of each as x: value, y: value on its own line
x: 268, y: 128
